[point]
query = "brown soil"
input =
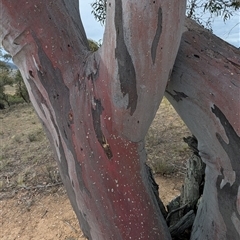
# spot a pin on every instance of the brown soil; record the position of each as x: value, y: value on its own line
x: 33, y: 202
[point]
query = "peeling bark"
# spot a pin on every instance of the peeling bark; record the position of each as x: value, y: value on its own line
x: 97, y: 107
x: 205, y: 91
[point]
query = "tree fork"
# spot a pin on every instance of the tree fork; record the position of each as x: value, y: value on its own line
x: 92, y: 105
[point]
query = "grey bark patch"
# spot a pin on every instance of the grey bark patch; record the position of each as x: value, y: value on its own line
x: 227, y: 195
x: 96, y: 113
x: 52, y: 81
x: 157, y: 36
x: 126, y: 70
x: 178, y: 96
x: 63, y: 167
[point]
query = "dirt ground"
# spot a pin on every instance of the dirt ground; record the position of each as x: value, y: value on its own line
x: 27, y: 216
x: 33, y: 202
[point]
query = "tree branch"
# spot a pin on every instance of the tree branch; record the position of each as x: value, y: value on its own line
x: 206, y: 82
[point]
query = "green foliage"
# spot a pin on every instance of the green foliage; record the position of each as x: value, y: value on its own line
x: 223, y: 8
x: 14, y: 99
x: 5, y: 79
x: 21, y: 90
x: 93, y: 45
x: 9, y: 77
x: 99, y: 10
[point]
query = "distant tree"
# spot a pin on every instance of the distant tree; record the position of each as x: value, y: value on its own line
x: 5, y: 79
x: 20, y: 86
x: 93, y: 45
x: 8, y: 77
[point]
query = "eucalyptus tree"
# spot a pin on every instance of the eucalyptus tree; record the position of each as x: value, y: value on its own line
x: 96, y: 108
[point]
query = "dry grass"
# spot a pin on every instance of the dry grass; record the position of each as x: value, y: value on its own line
x: 10, y: 89
x: 27, y: 160
x: 167, y: 152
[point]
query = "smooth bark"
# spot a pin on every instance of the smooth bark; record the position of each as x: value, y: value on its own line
x: 97, y: 107
x: 205, y: 91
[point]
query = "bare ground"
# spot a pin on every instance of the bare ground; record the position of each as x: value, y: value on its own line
x: 33, y: 202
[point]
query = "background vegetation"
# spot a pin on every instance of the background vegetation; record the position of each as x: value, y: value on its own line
x: 10, y: 78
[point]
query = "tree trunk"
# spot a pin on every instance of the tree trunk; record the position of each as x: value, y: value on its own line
x: 205, y: 91
x: 97, y: 107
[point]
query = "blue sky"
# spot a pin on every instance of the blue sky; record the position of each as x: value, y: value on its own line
x: 94, y: 29
x: 229, y: 31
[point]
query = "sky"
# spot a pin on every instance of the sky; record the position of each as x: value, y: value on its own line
x: 229, y: 31
x: 93, y: 29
